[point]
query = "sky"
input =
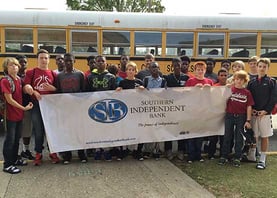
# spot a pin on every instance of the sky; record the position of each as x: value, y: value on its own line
x: 188, y: 7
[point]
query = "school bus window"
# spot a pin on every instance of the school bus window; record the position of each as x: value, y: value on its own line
x: 84, y: 41
x: 19, y: 40
x: 148, y: 42
x: 179, y: 43
x: 116, y: 43
x: 51, y: 39
x: 242, y: 44
x: 269, y: 45
x: 211, y: 44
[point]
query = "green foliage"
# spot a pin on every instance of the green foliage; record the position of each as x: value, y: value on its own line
x: 117, y: 5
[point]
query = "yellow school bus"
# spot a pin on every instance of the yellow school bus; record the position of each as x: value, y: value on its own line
x: 85, y: 33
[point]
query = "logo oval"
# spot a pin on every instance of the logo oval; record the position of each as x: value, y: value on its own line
x: 108, y: 110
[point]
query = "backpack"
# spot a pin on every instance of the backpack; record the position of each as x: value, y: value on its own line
x: 3, y: 102
x: 2, y: 98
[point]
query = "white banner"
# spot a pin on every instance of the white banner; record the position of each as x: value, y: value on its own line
x: 110, y: 118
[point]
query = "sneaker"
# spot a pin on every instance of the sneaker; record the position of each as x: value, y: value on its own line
x: 222, y: 161
x: 20, y: 162
x: 211, y: 157
x: 107, y: 156
x: 38, y: 158
x: 119, y: 155
x: 98, y: 155
x: 236, y: 163
x: 189, y: 161
x: 27, y: 155
x: 260, y: 165
x: 82, y: 156
x: 139, y: 156
x: 146, y: 155
x: 65, y: 162
x: 12, y: 170
x: 169, y: 155
x: 54, y: 158
x: 156, y: 156
x: 84, y: 160
x: 201, y: 160
x: 180, y: 156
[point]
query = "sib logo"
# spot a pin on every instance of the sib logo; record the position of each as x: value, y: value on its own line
x: 108, y: 111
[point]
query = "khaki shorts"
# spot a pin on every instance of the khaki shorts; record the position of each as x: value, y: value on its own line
x: 262, y: 126
x: 27, y: 125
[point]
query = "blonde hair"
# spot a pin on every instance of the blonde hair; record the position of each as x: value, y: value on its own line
x: 8, y: 61
x: 133, y: 65
x: 239, y: 62
x: 264, y: 60
x: 253, y: 59
x: 243, y: 75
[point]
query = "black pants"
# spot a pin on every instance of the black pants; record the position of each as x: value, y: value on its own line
x: 67, y: 155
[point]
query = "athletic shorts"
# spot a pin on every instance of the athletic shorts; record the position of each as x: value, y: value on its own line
x: 262, y: 126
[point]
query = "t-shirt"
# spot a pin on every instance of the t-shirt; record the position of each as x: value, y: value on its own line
x: 150, y: 82
x: 218, y: 84
x: 13, y: 113
x: 122, y: 74
x: 176, y: 81
x: 239, y: 100
x: 37, y: 78
x: 70, y: 82
x: 130, y: 84
x: 194, y: 81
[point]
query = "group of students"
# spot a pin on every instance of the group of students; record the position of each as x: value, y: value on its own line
x: 249, y: 106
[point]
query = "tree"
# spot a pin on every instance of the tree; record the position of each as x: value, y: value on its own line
x: 117, y: 5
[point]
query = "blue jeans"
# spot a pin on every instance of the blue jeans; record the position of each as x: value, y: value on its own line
x: 11, y: 143
x: 234, y: 127
x: 38, y: 127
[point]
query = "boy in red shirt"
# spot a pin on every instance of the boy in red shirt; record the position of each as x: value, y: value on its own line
x: 195, y: 144
x: 238, y: 117
x: 40, y: 81
x: 14, y: 115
